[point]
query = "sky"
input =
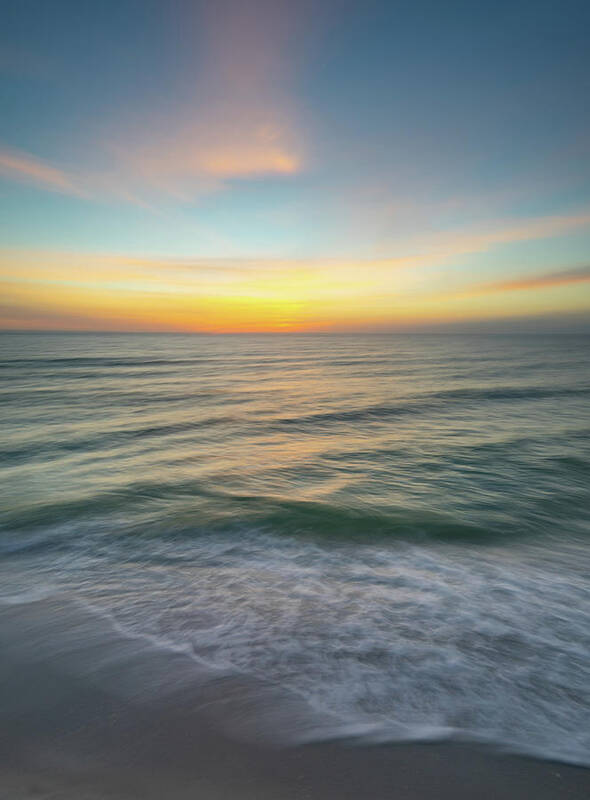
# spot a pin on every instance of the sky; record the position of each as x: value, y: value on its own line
x: 264, y: 165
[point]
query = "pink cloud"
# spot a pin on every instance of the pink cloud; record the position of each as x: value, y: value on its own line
x: 560, y: 278
x: 27, y: 168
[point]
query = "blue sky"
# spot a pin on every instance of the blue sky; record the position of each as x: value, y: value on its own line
x: 410, y: 156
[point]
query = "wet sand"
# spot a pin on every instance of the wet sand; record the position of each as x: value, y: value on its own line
x: 89, y: 714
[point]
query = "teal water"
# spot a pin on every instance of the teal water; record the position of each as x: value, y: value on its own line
x: 395, y: 529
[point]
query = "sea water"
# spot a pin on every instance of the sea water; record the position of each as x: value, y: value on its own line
x: 394, y: 530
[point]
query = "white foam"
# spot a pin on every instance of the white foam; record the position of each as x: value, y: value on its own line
x: 384, y: 642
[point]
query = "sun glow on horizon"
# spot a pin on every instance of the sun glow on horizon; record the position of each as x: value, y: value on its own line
x: 88, y: 291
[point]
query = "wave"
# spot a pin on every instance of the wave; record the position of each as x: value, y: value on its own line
x: 322, y: 520
x: 190, y: 509
x: 434, y: 401
x: 54, y: 448
x: 83, y: 361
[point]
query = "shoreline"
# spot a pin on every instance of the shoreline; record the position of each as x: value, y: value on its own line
x: 87, y: 714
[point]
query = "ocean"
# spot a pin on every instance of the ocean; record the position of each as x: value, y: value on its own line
x: 387, y: 536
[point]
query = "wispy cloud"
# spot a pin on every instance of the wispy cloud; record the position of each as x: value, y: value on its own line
x: 26, y: 168
x: 247, y: 277
x: 449, y: 244
x: 544, y: 281
x: 239, y: 121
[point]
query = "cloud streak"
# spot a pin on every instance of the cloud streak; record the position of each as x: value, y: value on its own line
x: 239, y: 120
x: 452, y: 243
x: 532, y: 282
x: 247, y: 277
x: 28, y: 169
